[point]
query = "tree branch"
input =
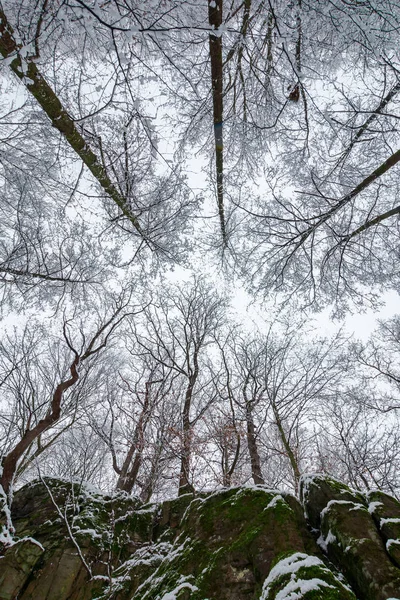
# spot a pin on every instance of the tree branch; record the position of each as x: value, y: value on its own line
x: 27, y: 71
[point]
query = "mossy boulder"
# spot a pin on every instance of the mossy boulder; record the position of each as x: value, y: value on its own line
x: 246, y: 543
x: 355, y: 546
x: 83, y: 534
x: 17, y: 565
x: 351, y: 537
x: 385, y: 511
x: 170, y: 515
x: 226, y: 546
x: 303, y: 576
x: 317, y: 490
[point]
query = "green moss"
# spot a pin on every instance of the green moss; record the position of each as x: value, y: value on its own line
x: 239, y: 518
x: 220, y: 546
x: 232, y: 508
x: 165, y: 567
x: 336, y: 489
x: 170, y: 516
x: 313, y: 581
x: 358, y: 550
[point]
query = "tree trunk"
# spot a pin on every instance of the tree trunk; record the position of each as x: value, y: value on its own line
x: 10, y: 461
x: 252, y: 446
x: 227, y: 471
x: 290, y: 454
x: 148, y: 486
x: 127, y: 481
x: 185, y: 486
x: 127, y: 477
x: 215, y: 42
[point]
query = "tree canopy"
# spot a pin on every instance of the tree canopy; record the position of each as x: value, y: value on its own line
x: 246, y: 144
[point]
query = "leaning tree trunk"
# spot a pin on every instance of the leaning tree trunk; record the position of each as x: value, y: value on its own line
x: 10, y: 461
x: 27, y: 71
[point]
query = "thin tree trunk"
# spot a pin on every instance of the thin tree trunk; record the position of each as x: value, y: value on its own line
x: 289, y: 452
x: 148, y: 487
x: 227, y: 471
x: 184, y: 483
x: 253, y: 449
x: 127, y: 477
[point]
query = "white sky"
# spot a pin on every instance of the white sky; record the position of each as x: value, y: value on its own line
x: 361, y: 324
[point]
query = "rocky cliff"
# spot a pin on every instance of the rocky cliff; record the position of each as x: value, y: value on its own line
x: 238, y: 544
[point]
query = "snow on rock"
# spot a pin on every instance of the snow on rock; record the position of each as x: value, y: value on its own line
x: 295, y: 585
x: 174, y: 594
x: 373, y: 506
x: 245, y: 542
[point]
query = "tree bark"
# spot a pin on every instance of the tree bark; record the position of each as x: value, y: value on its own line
x: 290, y: 454
x: 227, y: 471
x: 128, y: 475
x: 185, y: 486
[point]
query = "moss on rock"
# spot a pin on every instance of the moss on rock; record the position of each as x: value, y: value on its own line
x: 241, y: 543
x: 303, y: 576
x: 226, y: 545
x: 317, y: 490
x: 355, y: 546
x: 385, y: 511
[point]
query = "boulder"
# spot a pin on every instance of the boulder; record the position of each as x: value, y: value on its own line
x: 385, y: 511
x: 351, y: 538
x: 17, y: 565
x: 245, y: 543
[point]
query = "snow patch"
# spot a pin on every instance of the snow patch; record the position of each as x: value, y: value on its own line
x: 323, y: 542
x: 383, y: 521
x: 354, y: 505
x: 32, y: 540
x: 294, y: 589
x: 372, y: 506
x: 91, y: 532
x: 275, y: 500
x: 181, y: 585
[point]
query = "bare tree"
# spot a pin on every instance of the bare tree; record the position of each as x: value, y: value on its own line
x: 225, y: 430
x: 277, y: 379
x: 225, y: 451
x: 359, y: 445
x: 34, y: 414
x: 380, y: 367
x: 131, y: 404
x: 292, y: 111
x: 176, y: 336
x: 241, y: 361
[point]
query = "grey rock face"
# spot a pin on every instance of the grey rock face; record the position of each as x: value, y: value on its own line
x: 242, y: 543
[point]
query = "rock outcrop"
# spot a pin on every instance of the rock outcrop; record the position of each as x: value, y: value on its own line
x: 242, y: 543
